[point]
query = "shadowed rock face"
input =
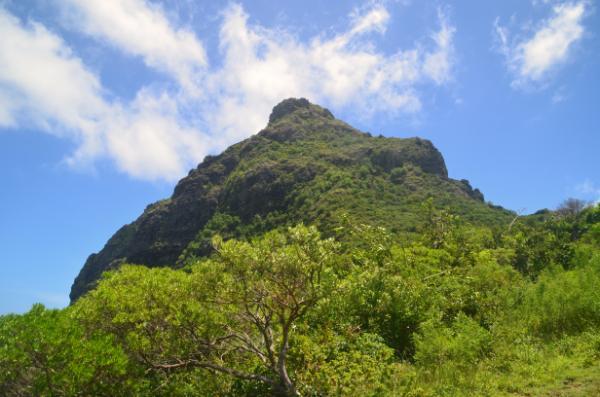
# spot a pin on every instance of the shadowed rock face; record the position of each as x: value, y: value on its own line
x: 412, y: 150
x: 262, y: 175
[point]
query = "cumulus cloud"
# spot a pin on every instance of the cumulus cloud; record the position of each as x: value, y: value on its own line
x: 141, y: 28
x: 44, y: 84
x: 262, y: 66
x: 532, y: 58
x: 153, y: 137
x: 148, y: 139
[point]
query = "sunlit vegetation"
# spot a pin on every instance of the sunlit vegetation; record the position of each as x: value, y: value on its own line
x: 456, y: 310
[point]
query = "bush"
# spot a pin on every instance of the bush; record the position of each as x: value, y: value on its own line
x: 462, y: 344
x: 563, y: 302
x: 45, y: 353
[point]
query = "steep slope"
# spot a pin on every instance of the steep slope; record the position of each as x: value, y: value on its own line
x: 304, y: 166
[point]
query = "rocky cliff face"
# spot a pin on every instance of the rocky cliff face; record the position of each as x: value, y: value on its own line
x: 304, y: 166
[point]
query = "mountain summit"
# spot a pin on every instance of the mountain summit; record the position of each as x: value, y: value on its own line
x: 305, y: 166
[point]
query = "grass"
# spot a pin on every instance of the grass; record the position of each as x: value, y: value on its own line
x: 573, y: 382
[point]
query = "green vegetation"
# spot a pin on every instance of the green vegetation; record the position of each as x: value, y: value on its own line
x: 451, y: 309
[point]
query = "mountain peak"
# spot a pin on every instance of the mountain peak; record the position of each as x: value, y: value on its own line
x: 305, y: 166
x: 297, y: 105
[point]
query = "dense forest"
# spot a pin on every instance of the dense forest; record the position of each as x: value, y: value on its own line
x: 450, y: 310
x: 313, y: 259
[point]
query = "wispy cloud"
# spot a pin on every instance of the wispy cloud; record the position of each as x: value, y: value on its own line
x: 142, y: 29
x: 43, y: 82
x: 262, y: 66
x: 532, y: 58
x: 374, y: 19
x: 560, y: 95
x: 590, y: 190
x: 438, y: 64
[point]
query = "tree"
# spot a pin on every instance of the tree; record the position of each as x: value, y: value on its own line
x: 44, y: 353
x: 571, y: 207
x: 440, y: 226
x: 234, y: 314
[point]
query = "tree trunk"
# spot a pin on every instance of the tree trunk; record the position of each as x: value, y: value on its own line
x: 285, y: 383
x: 285, y: 390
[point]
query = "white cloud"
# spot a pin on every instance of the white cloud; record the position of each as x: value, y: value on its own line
x: 376, y: 19
x: 551, y: 43
x: 7, y: 109
x: 141, y: 28
x: 438, y: 64
x: 49, y: 87
x: 43, y: 82
x: 147, y: 139
x: 531, y: 59
x: 262, y: 66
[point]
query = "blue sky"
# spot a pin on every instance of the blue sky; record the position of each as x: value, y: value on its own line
x: 104, y: 105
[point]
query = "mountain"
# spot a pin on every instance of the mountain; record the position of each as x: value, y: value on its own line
x: 305, y: 166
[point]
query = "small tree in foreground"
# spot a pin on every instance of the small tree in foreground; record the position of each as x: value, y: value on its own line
x: 234, y: 314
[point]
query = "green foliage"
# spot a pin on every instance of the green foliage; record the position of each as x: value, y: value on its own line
x: 234, y: 314
x: 45, y: 353
x: 344, y: 365
x: 225, y: 225
x: 564, y: 302
x: 463, y: 344
x: 461, y: 310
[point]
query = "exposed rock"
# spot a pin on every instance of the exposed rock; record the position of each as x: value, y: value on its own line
x: 301, y: 106
x: 473, y: 193
x: 395, y: 153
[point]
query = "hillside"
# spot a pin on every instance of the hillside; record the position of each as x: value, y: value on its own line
x: 305, y: 166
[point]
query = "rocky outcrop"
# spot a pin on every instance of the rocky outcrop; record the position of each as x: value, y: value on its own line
x: 395, y: 153
x: 301, y: 107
